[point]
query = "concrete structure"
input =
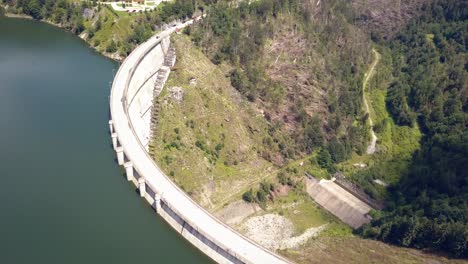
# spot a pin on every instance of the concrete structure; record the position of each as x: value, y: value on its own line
x: 140, y: 75
x: 338, y: 201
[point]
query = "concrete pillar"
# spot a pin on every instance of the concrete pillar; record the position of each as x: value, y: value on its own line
x: 141, y: 182
x: 111, y: 126
x: 129, y: 170
x: 120, y: 155
x: 157, y: 202
x: 114, y: 140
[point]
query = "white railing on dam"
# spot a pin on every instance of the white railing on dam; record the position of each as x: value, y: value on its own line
x: 203, y: 230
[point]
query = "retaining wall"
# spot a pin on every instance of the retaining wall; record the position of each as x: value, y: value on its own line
x: 140, y: 76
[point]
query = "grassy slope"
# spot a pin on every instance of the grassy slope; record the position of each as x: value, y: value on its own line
x: 209, y: 104
x: 211, y: 113
x: 304, y: 213
x: 115, y: 25
x: 348, y: 250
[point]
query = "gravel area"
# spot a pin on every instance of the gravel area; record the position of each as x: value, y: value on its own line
x: 276, y: 232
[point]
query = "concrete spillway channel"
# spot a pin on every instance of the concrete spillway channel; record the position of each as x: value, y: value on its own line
x: 140, y: 77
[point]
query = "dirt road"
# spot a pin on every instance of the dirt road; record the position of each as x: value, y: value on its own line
x: 367, y: 76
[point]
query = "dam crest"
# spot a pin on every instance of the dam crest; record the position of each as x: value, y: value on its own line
x: 139, y: 79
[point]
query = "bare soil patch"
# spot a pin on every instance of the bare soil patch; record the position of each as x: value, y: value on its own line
x: 236, y: 212
x: 276, y: 232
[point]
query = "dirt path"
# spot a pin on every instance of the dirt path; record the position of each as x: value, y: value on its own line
x: 367, y: 76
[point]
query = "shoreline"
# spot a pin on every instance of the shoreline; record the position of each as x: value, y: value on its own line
x: 23, y: 16
x: 113, y: 56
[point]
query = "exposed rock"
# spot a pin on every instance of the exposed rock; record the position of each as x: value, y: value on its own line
x: 360, y: 165
x: 193, y: 81
x: 177, y: 93
x: 88, y: 13
x: 380, y: 182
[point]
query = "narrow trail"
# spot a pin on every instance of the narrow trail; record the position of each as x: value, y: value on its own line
x: 367, y: 76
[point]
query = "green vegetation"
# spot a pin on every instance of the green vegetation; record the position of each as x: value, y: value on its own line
x: 305, y: 213
x: 214, y: 138
x: 428, y: 207
x: 281, y: 96
x: 396, y: 143
x: 322, y: 93
x: 107, y: 30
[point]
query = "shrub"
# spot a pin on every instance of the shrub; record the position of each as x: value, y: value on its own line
x: 248, y: 196
x: 111, y: 47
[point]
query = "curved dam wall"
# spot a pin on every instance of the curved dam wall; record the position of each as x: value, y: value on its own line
x: 140, y: 78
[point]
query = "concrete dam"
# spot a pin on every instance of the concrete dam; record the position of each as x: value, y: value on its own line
x: 139, y: 79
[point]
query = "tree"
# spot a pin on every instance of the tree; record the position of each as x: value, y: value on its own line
x: 34, y: 9
x: 248, y: 196
x: 111, y: 47
x: 337, y: 151
x: 313, y: 135
x: 324, y: 159
x: 141, y: 33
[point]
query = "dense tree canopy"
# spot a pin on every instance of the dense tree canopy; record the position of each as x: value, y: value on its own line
x: 429, y: 207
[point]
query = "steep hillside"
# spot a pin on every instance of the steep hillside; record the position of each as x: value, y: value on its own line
x: 300, y: 63
x: 198, y: 112
x: 428, y: 207
x: 383, y: 19
x: 208, y: 139
x: 113, y: 33
x: 266, y: 91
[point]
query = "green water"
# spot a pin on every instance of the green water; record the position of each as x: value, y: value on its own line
x: 63, y: 198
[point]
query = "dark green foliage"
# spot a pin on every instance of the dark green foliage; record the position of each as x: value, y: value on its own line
x: 248, y: 196
x: 78, y: 25
x: 141, y: 33
x: 397, y: 104
x: 428, y: 208
x: 33, y: 8
x: 266, y: 187
x: 338, y: 151
x: 240, y: 81
x: 112, y: 47
x: 282, y: 178
x: 219, y: 147
x: 222, y: 19
x: 313, y: 135
x: 324, y: 160
x: 61, y: 12
x: 261, y: 197
x: 177, y: 9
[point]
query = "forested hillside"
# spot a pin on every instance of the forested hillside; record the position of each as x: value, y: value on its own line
x: 428, y: 207
x: 111, y: 32
x: 301, y: 64
x: 298, y: 68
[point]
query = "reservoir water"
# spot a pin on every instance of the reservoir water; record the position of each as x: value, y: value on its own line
x: 63, y: 198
